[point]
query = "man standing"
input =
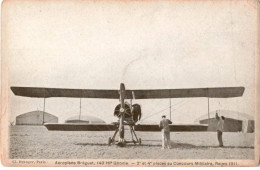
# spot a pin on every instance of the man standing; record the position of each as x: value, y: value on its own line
x: 220, y: 128
x: 164, y: 126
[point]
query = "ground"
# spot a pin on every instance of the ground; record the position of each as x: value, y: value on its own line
x: 36, y: 142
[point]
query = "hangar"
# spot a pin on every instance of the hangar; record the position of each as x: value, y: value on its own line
x: 85, y: 119
x: 36, y: 118
x: 234, y: 121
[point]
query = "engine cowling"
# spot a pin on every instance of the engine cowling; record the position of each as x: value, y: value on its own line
x: 127, y: 111
x: 136, y: 111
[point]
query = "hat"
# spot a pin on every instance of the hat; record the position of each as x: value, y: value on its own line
x: 163, y: 116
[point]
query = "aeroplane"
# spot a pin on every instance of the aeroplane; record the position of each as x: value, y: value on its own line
x: 127, y: 114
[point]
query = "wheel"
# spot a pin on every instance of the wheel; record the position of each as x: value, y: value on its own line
x: 113, y: 141
x: 109, y: 141
x: 140, y: 141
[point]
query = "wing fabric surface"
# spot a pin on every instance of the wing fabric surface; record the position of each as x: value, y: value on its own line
x: 80, y: 127
x: 58, y: 92
x: 112, y: 127
x: 173, y: 128
x: 219, y: 92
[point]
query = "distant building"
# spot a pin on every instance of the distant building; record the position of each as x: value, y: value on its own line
x: 234, y: 121
x: 84, y: 119
x: 36, y: 118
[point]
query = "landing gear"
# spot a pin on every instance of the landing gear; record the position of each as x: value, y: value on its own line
x: 109, y: 141
x: 133, y: 134
x: 112, y: 140
x: 140, y: 141
x: 121, y: 143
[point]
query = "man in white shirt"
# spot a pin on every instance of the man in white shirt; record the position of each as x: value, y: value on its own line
x: 220, y: 128
x: 164, y: 126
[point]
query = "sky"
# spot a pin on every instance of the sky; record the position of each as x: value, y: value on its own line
x: 155, y: 45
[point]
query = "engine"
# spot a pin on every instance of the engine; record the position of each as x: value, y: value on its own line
x: 136, y: 111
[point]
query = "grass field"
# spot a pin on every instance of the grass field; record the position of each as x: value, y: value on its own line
x: 31, y: 142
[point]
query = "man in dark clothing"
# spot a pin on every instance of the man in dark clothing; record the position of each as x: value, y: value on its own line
x: 220, y: 128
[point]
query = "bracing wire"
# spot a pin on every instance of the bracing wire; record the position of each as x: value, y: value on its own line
x: 166, y: 109
x: 159, y: 102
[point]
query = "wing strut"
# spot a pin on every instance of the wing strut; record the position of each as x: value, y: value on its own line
x: 208, y: 109
x: 170, y: 109
x: 43, y: 110
x: 79, y: 108
x: 208, y: 106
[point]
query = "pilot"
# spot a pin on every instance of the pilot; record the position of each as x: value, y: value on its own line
x: 220, y: 128
x: 164, y: 126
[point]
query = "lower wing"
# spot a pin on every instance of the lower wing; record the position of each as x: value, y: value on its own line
x: 113, y: 127
x: 80, y: 127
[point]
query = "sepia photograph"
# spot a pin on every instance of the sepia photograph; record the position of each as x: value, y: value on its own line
x: 130, y: 83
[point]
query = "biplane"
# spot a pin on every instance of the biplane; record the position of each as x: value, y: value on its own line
x: 127, y: 114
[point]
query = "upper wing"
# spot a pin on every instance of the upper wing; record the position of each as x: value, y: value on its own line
x: 220, y: 92
x: 58, y: 92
